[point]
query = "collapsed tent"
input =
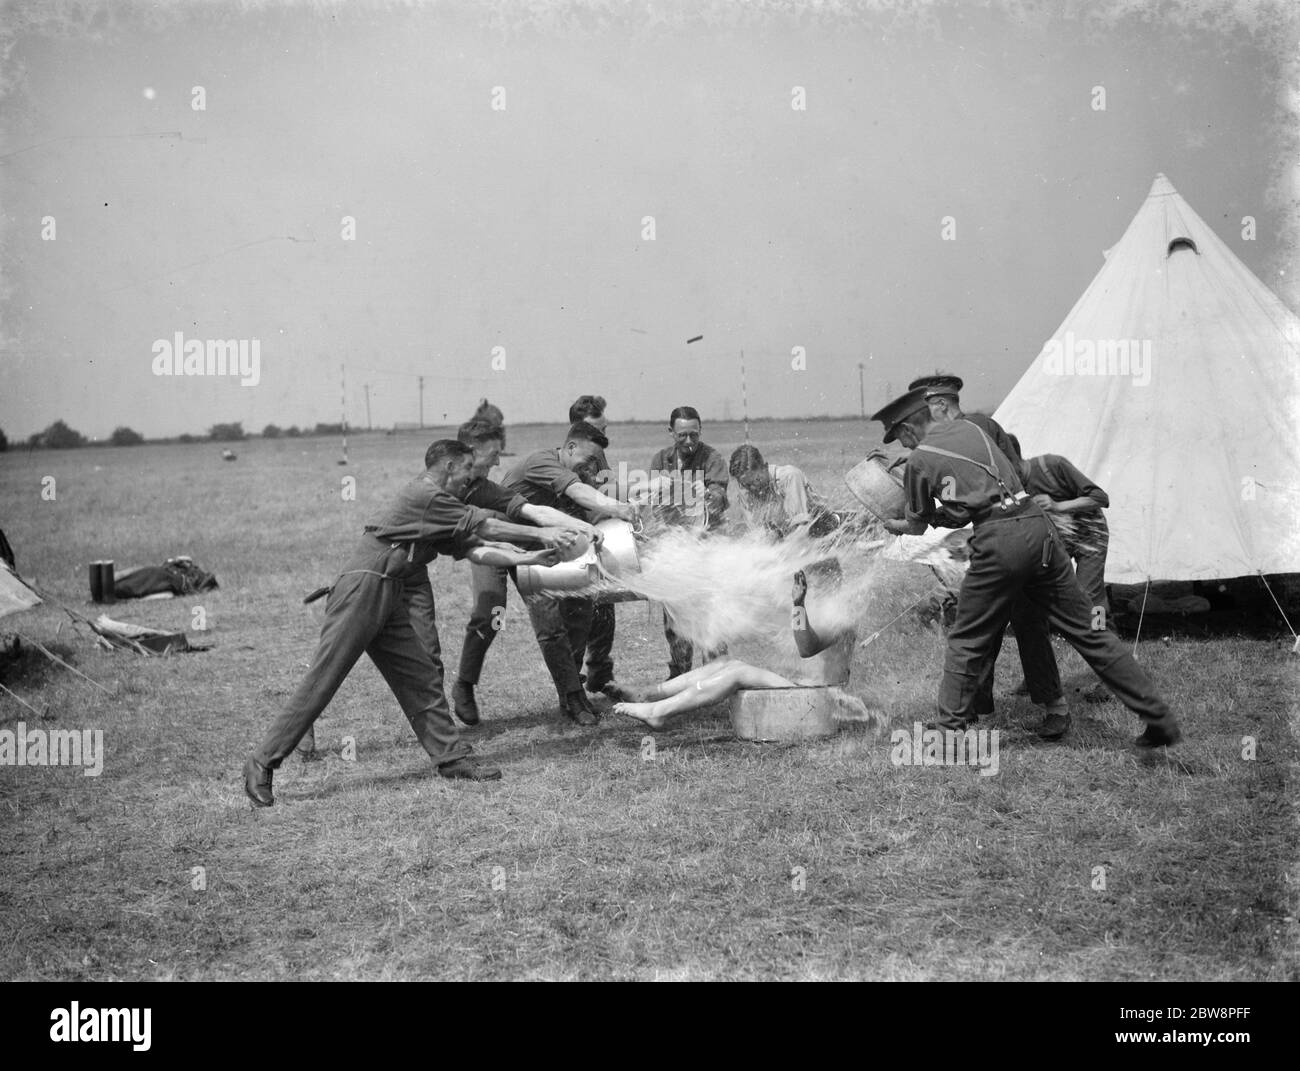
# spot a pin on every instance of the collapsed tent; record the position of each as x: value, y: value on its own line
x: 1174, y: 383
x: 15, y: 596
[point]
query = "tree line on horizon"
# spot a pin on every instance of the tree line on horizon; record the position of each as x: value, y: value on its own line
x: 59, y: 436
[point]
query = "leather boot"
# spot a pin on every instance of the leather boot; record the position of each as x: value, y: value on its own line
x: 257, y: 783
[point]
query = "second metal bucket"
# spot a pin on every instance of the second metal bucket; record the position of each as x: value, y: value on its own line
x: 877, y: 488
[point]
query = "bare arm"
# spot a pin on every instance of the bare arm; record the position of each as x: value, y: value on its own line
x: 494, y: 528
x: 602, y: 505
x: 1069, y: 505
x: 553, y: 518
x: 805, y: 636
x: 506, y: 556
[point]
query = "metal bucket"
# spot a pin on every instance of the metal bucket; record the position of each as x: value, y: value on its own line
x: 780, y: 714
x: 877, y: 488
x: 616, y: 558
x: 618, y: 555
x: 573, y: 576
x: 577, y: 550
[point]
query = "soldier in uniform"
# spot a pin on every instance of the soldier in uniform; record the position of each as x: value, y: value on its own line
x: 1059, y: 487
x: 1042, y: 679
x: 562, y: 479
x: 943, y: 396
x: 600, y: 641
x: 488, y: 582
x: 694, y: 478
x: 956, y: 475
x: 369, y: 612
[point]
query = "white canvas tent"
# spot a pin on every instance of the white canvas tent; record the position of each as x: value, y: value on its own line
x: 1174, y: 382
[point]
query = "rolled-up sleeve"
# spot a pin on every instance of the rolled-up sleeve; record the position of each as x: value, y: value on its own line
x: 1080, y: 485
x: 446, y: 519
x: 489, y: 495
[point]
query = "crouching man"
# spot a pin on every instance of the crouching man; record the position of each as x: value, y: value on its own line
x: 369, y: 611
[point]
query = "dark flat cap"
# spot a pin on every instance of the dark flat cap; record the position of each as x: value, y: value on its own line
x: 899, y: 410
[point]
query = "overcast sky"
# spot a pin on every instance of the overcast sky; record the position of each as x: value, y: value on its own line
x: 521, y: 227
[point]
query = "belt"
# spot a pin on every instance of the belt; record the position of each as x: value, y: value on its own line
x: 1022, y: 506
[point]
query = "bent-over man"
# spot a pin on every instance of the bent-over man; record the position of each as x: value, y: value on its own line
x: 368, y: 612
x: 954, y: 476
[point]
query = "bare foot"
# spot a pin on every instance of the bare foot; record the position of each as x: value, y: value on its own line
x: 621, y: 694
x: 642, y: 712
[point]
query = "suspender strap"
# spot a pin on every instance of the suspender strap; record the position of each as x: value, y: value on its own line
x: 962, y: 457
x: 1008, y: 496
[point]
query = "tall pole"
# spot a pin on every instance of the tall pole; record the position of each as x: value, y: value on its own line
x: 422, y: 403
x: 369, y: 426
x: 343, y: 406
x: 744, y: 396
x: 862, y: 393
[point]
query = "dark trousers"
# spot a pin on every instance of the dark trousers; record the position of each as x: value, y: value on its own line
x: 1090, y: 571
x: 600, y: 643
x: 1021, y: 556
x: 488, y: 588
x: 1037, y: 659
x: 419, y: 601
x: 681, y: 652
x: 369, y: 611
x: 561, y: 626
x: 1033, y: 631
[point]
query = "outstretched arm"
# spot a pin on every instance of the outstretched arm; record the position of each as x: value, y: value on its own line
x: 1068, y: 505
x: 550, y: 517
x: 805, y: 636
x: 601, y: 505
x: 506, y: 556
x: 493, y: 528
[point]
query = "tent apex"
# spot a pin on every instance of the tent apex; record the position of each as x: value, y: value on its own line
x: 1161, y: 186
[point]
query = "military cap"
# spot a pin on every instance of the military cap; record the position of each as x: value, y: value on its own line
x: 939, y: 383
x: 899, y: 410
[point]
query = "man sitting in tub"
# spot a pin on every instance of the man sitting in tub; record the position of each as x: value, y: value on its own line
x: 826, y: 661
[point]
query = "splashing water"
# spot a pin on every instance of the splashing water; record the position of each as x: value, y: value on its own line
x: 722, y: 590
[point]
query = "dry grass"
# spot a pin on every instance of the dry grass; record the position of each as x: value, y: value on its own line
x: 604, y: 865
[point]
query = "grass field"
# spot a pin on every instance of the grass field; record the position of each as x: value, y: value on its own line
x: 592, y: 858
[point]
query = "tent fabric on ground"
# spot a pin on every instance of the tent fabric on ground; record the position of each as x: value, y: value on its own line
x: 15, y: 596
x: 1174, y: 384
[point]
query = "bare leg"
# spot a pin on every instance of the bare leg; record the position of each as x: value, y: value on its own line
x: 703, y: 691
x: 672, y: 686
